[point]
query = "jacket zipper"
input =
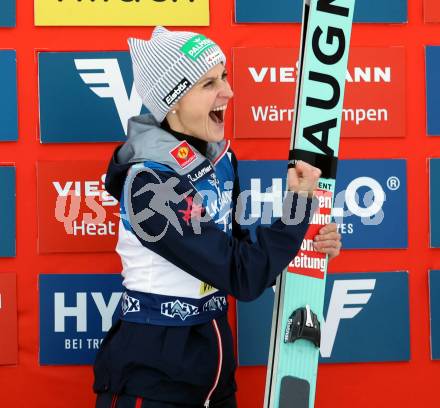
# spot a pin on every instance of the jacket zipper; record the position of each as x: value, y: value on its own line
x: 220, y: 362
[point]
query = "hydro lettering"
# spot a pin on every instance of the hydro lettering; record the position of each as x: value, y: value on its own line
x: 374, y: 199
x: 79, y: 312
x: 268, y: 204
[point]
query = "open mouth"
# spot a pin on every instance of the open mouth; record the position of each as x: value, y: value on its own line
x: 217, y: 115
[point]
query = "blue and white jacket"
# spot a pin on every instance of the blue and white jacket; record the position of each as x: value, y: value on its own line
x: 182, y: 253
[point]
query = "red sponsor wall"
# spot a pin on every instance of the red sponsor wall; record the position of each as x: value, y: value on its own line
x: 407, y: 384
x: 432, y: 11
x: 8, y: 319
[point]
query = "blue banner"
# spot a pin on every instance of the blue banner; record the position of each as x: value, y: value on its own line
x: 76, y: 311
x: 7, y: 13
x: 86, y: 96
x: 434, y: 304
x: 434, y: 202
x: 288, y: 11
x: 370, y: 202
x: 7, y: 211
x: 433, y: 89
x: 8, y: 96
x: 366, y: 320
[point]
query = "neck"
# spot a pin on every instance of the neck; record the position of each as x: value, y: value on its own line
x: 199, y: 144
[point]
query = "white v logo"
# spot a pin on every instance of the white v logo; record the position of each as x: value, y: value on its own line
x: 108, y: 83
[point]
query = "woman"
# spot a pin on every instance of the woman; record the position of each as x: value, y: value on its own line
x: 182, y: 250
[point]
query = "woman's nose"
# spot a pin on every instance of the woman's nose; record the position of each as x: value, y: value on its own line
x: 226, y: 91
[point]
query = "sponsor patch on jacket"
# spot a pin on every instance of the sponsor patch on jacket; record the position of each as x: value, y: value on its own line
x: 200, y: 171
x: 216, y: 303
x: 129, y: 304
x: 177, y: 91
x: 206, y: 288
x: 179, y: 309
x: 183, y: 154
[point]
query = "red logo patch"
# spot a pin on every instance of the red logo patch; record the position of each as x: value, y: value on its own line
x: 183, y: 154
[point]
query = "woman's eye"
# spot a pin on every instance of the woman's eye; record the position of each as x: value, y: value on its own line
x: 211, y: 83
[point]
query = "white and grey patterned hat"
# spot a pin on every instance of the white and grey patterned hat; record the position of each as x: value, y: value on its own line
x: 169, y: 64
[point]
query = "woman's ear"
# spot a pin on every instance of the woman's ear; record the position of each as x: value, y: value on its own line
x: 176, y: 106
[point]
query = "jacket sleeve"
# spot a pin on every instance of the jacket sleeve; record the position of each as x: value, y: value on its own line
x: 238, y: 232
x: 164, y: 220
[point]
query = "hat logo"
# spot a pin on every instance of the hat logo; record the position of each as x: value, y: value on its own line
x: 178, y: 90
x: 196, y: 46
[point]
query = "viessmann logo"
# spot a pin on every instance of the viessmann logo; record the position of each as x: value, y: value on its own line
x: 347, y: 300
x: 71, y: 194
x: 373, y: 100
x: 75, y: 212
x: 104, y: 78
x: 273, y: 74
x: 356, y: 75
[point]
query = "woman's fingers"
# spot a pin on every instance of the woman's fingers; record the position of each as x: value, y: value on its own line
x: 303, y: 178
x: 329, y: 236
x: 328, y: 241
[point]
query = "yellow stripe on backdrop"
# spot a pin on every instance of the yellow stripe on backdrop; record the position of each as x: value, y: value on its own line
x: 121, y: 13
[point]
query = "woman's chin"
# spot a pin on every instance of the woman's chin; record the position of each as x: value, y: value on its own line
x: 217, y: 133
x: 216, y: 137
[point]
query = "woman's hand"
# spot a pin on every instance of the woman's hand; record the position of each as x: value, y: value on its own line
x: 328, y: 241
x: 303, y: 178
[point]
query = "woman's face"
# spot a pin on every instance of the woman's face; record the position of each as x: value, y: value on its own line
x: 201, y: 112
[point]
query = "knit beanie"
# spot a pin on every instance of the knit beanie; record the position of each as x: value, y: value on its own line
x: 169, y: 64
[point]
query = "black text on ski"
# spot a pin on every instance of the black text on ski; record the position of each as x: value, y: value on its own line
x: 333, y: 34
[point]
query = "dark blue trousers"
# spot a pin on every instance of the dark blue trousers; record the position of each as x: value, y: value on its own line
x: 106, y: 400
